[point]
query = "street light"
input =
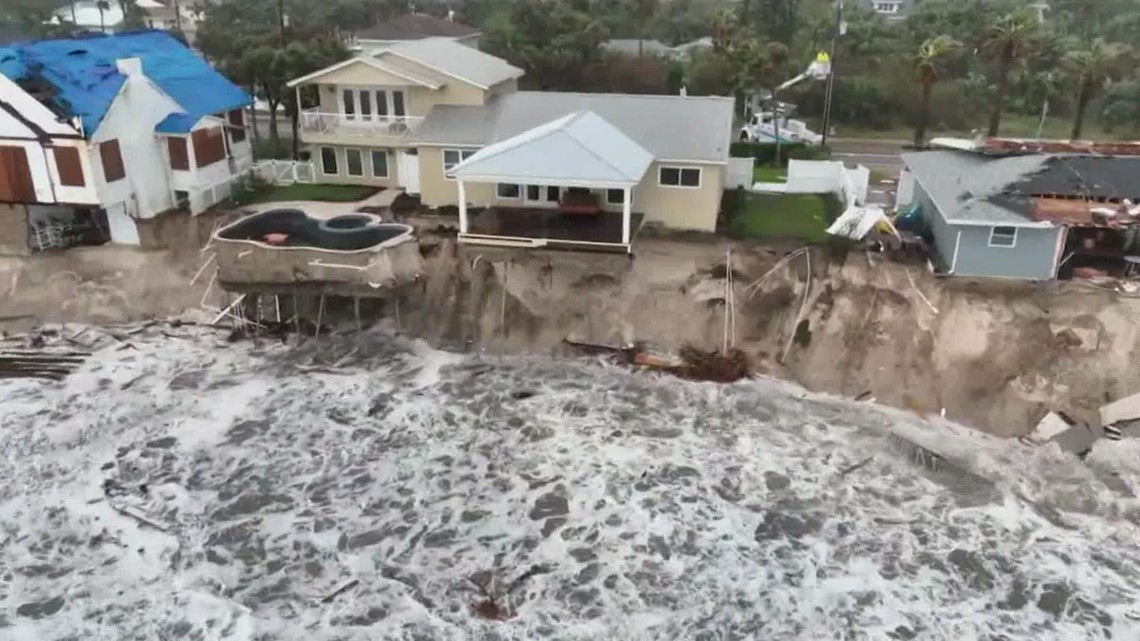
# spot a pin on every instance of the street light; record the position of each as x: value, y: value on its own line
x: 840, y: 29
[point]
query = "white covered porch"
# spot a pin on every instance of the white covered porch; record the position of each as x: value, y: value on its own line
x: 573, y: 180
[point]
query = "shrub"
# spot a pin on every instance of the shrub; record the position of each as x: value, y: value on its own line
x: 765, y: 152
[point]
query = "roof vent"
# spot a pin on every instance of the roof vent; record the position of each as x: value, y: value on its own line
x: 77, y: 52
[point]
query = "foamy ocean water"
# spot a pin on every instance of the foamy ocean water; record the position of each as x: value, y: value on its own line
x: 188, y: 489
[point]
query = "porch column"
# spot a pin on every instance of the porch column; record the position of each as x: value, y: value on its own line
x: 625, y: 205
x: 462, y: 208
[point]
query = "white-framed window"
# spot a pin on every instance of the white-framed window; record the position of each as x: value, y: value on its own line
x: 543, y: 193
x: 328, y: 161
x: 1003, y: 237
x: 353, y: 162
x: 452, y: 157
x: 615, y: 196
x: 887, y: 7
x: 508, y: 191
x: 379, y: 163
x: 690, y: 177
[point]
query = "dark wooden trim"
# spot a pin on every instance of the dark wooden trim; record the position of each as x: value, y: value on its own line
x: 179, y: 156
x: 112, y: 158
x: 69, y: 166
x: 16, y: 176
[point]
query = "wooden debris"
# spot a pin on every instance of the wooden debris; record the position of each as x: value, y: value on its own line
x: 341, y: 590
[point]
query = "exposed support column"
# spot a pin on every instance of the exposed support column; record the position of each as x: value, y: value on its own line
x: 625, y: 207
x: 462, y: 208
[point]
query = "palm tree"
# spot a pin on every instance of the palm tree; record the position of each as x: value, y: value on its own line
x: 928, y: 65
x: 1008, y: 40
x: 1047, y: 84
x: 102, y: 5
x: 1092, y: 67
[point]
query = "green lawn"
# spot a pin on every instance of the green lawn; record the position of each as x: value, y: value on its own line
x: 769, y: 175
x: 298, y: 191
x: 800, y: 216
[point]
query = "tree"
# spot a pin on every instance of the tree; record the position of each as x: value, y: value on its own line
x: 102, y: 5
x: 928, y: 65
x: 643, y: 11
x: 1092, y: 67
x: 553, y: 40
x: 1122, y: 106
x: 1008, y: 40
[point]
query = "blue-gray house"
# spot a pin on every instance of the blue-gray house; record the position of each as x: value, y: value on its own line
x: 1024, y: 217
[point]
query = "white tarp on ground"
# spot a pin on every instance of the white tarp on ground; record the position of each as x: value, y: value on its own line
x: 1050, y: 426
x: 1124, y: 409
x: 856, y: 222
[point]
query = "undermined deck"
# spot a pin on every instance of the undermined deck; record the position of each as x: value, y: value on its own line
x: 553, y: 229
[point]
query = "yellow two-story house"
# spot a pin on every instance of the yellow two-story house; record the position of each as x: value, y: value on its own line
x: 447, y: 123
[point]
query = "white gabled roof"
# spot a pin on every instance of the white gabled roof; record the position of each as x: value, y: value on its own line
x: 580, y: 147
x: 372, y: 61
x: 454, y: 59
x: 34, y: 119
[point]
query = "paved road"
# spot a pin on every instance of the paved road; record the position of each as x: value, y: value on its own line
x: 874, y: 154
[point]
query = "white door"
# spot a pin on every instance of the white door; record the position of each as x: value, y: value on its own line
x: 408, y: 166
x: 123, y: 229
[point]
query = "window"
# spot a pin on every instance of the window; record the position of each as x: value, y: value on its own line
x: 398, y: 103
x: 209, y: 146
x: 179, y: 159
x: 507, y: 191
x: 452, y: 157
x: 354, y: 162
x: 887, y: 7
x: 382, y: 104
x: 541, y: 194
x: 348, y: 103
x: 679, y: 176
x: 69, y: 167
x: 615, y: 196
x: 112, y: 161
x: 380, y: 163
x: 365, y: 105
x: 237, y: 125
x: 1003, y: 237
x: 16, y: 176
x: 328, y: 161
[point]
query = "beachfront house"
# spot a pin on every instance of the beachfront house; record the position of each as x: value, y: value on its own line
x: 1032, y: 216
x: 520, y: 168
x: 156, y: 128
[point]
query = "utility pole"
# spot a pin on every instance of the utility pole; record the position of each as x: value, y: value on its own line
x: 840, y: 29
x: 281, y: 19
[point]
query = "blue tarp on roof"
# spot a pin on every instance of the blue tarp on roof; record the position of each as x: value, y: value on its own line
x: 83, y: 71
x: 176, y: 123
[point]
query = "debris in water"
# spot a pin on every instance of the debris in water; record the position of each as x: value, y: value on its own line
x: 714, y: 366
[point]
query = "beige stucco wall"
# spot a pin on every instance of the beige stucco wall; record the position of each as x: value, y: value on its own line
x: 437, y: 191
x: 673, y: 207
x: 420, y: 100
x: 342, y: 177
x: 681, y: 207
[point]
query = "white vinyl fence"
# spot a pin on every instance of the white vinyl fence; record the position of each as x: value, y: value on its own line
x: 285, y: 172
x: 738, y: 173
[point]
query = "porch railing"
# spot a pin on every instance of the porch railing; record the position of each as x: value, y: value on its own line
x: 318, y: 122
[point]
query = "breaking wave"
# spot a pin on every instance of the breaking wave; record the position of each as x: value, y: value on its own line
x: 366, y: 487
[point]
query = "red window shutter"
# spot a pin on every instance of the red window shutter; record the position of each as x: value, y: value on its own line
x: 69, y: 166
x: 112, y: 161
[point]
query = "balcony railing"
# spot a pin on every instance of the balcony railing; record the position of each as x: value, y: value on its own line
x: 317, y: 122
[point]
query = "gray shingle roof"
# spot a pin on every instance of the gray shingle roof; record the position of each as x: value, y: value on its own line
x: 455, y: 59
x: 669, y: 127
x: 580, y: 146
x: 416, y: 26
x: 969, y: 187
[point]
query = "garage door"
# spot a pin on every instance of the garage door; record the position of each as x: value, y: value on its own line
x: 15, y: 176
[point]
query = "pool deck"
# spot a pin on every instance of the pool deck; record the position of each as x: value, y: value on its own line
x: 326, y: 210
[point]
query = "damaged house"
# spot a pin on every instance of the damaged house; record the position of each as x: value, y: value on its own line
x: 1039, y: 216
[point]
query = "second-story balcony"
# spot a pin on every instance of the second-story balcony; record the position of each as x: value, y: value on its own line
x: 318, y: 126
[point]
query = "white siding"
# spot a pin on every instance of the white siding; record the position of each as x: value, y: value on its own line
x: 131, y: 119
